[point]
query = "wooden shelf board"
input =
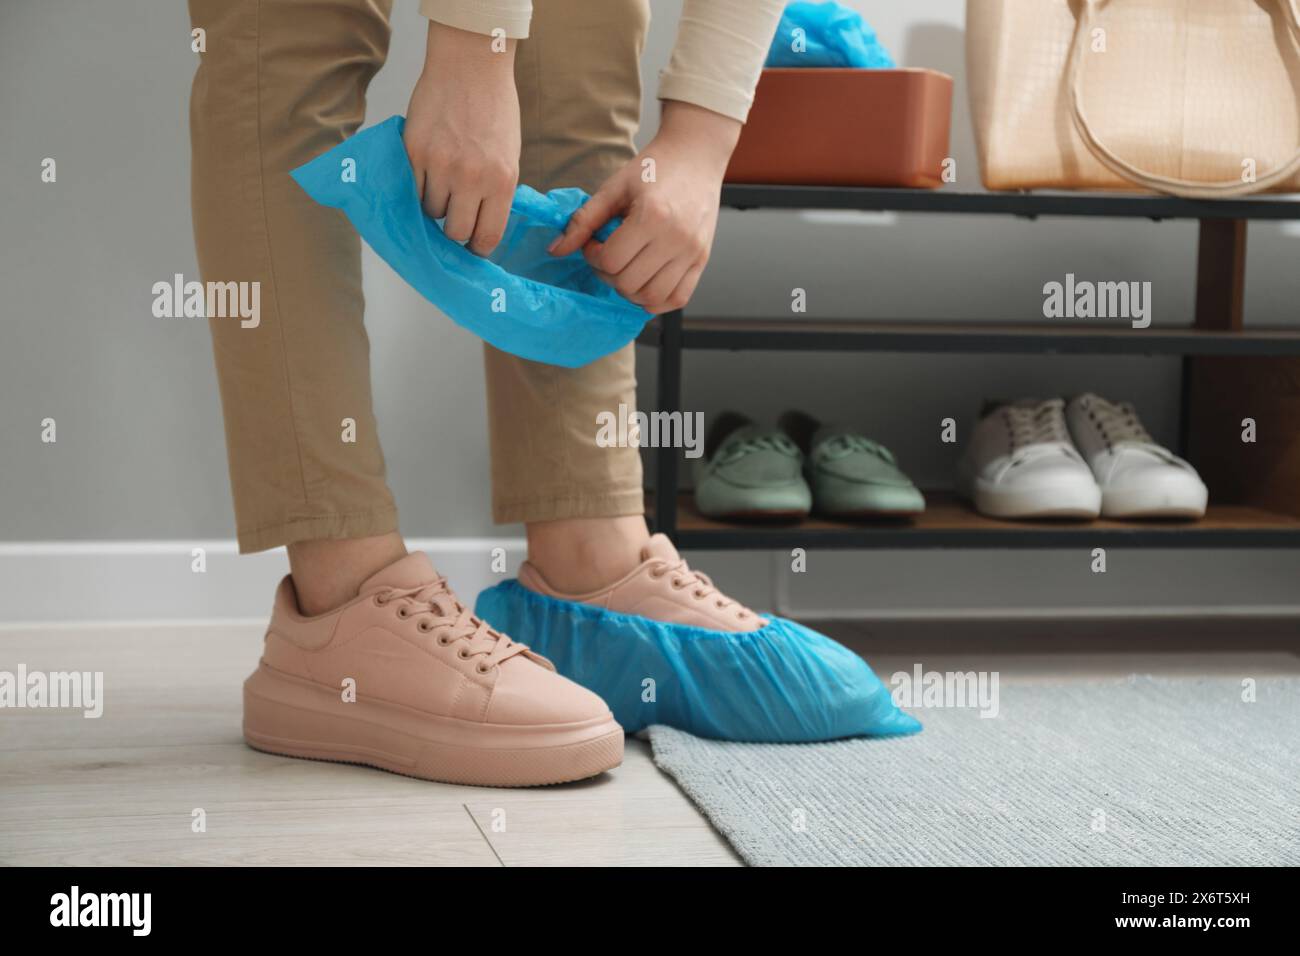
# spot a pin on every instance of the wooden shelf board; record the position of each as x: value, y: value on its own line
x: 949, y: 522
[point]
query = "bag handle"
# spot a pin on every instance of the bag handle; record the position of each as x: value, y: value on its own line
x: 1154, y: 181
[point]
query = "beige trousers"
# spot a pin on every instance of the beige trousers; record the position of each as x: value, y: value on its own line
x: 280, y: 82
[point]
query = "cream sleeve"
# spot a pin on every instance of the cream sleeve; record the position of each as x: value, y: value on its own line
x: 719, y: 53
x: 482, y: 16
x: 715, y: 63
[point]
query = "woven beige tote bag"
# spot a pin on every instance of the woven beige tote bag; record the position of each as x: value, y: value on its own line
x: 1191, y: 97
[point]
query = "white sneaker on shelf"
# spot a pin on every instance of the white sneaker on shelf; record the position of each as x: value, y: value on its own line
x: 1138, y: 478
x: 1021, y: 463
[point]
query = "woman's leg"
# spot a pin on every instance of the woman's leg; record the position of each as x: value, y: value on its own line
x: 435, y: 693
x: 279, y: 83
x: 578, y: 75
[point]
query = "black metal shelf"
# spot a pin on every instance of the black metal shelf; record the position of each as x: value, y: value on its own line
x: 1022, y: 204
x: 1217, y: 336
x: 853, y: 335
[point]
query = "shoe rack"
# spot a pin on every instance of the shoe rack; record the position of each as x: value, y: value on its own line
x: 1230, y: 373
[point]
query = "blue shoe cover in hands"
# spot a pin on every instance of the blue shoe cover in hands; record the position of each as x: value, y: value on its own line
x: 520, y: 299
x: 782, y: 683
x: 832, y: 36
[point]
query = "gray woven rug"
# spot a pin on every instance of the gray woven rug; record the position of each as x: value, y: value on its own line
x: 1142, y: 771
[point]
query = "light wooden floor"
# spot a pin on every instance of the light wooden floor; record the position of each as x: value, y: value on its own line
x: 122, y: 789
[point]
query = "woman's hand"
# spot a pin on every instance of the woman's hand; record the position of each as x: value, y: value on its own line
x: 462, y: 134
x: 669, y: 208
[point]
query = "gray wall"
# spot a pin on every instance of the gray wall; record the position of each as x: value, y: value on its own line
x: 103, y: 87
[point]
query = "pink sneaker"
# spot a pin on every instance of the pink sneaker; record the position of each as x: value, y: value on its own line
x: 662, y: 588
x: 405, y: 678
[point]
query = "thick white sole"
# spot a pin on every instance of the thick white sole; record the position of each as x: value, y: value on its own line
x: 1175, y: 501
x: 1067, y: 501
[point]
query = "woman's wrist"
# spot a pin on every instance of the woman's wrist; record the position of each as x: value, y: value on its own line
x: 449, y: 46
x: 701, y: 130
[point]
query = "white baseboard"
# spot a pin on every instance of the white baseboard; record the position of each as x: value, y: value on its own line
x: 154, y: 581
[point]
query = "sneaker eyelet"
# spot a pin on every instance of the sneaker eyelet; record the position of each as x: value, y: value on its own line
x: 699, y: 595
x: 443, y: 641
x: 463, y: 654
x: 482, y: 669
x: 379, y: 600
x: 403, y: 613
x: 425, y: 627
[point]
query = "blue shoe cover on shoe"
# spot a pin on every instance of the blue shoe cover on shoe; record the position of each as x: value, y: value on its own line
x: 782, y: 683
x: 520, y: 299
x: 832, y: 35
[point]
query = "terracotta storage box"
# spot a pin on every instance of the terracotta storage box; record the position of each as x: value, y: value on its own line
x: 846, y: 127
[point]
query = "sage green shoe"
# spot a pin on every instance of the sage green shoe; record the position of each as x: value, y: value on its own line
x: 851, y: 475
x: 749, y: 471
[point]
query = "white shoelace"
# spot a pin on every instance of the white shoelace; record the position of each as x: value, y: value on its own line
x: 1040, y: 424
x: 1037, y: 431
x: 1118, y: 424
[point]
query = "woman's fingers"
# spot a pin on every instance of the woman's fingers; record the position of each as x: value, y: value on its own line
x: 470, y: 213
x: 656, y: 294
x: 623, y: 245
x: 462, y: 214
x: 434, y: 185
x: 651, y: 279
x: 683, y: 291
x: 591, y: 215
x: 493, y: 214
x: 471, y: 198
x: 645, y: 265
